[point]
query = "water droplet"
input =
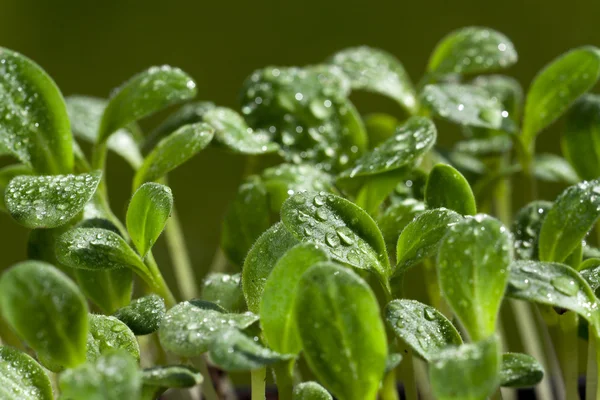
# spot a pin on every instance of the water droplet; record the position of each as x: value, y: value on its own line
x: 332, y: 239
x: 565, y: 285
x: 346, y: 235
x: 429, y: 314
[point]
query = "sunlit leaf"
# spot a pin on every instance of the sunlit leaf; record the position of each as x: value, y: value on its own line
x: 446, y: 187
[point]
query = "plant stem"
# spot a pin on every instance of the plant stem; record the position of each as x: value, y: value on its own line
x: 388, y: 390
x: 208, y: 388
x: 526, y: 326
x: 99, y: 163
x: 160, y: 286
x: 407, y: 376
x: 184, y: 273
x: 284, y: 380
x: 568, y: 353
x: 219, y: 261
x: 258, y: 377
x: 591, y: 380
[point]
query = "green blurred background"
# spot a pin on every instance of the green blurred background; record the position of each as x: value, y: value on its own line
x: 90, y: 47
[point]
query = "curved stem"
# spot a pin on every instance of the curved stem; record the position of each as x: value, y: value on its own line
x: 208, y: 388
x: 258, y: 377
x: 159, y: 286
x: 184, y: 273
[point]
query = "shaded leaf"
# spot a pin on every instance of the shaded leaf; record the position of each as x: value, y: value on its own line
x: 107, y: 334
x: 108, y: 289
x: 520, y: 370
x: 580, y: 139
x: 489, y: 146
x: 22, y: 377
x: 506, y: 89
x: 380, y: 127
x: 158, y: 379
x: 590, y: 271
x: 143, y: 315
x: 553, y: 168
x: 446, y: 187
x: 526, y: 228
x: 396, y: 217
x: 225, y: 291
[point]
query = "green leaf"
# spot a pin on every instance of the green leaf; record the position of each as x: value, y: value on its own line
x: 590, y: 271
x: 377, y: 188
x: 526, y: 228
x: 377, y: 71
x: 307, y: 112
x: 143, y: 315
x: 463, y: 104
x: 172, y: 151
x: 506, y: 89
x: 393, y: 360
x: 421, y: 327
x: 114, y: 375
x: 98, y: 249
x: 310, y: 391
x: 346, y: 232
x: 231, y: 350
x: 421, y: 237
x: 158, y: 379
x: 573, y: 215
x: 232, y: 132
x: 411, y: 141
x: 380, y: 127
x: 107, y: 334
x: 473, y: 266
x: 520, y: 370
x: 147, y: 215
x: 85, y: 114
x: 341, y: 331
x: 22, y: 377
x: 225, y: 291
x: 277, y: 312
x: 108, y: 289
x: 49, y: 201
x: 396, y: 217
x: 240, y: 228
x: 553, y: 168
x: 6, y: 175
x: 580, y: 139
x: 47, y: 310
x: 472, y: 50
x: 261, y: 260
x: 553, y: 284
x: 489, y: 146
x: 33, y: 117
x: 556, y: 87
x: 188, y: 328
x: 446, y: 187
x: 144, y: 94
x: 466, y: 372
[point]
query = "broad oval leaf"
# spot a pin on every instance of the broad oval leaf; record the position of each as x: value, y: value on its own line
x: 113, y: 375
x: 277, y: 307
x: 85, y: 114
x: 422, y: 327
x: 310, y: 391
x: 581, y: 136
x: 520, y: 370
x: 108, y: 333
x: 573, y: 215
x: 395, y: 218
x: 377, y: 71
x: 6, y: 175
x: 466, y: 372
x: 108, y: 289
x: 233, y: 351
x: 472, y: 50
x: 526, y: 228
x: 553, y: 284
x: 464, y: 104
x: 172, y: 151
x: 49, y: 201
x: 261, y: 260
x: 224, y: 290
x: 347, y: 351
x: 506, y: 89
x: 556, y: 87
x: 411, y: 141
x: 345, y: 231
x: 33, y: 117
x: 145, y: 93
x: 147, y: 215
x: 158, y: 379
x: 232, y: 132
x: 188, y: 328
x: 552, y: 168
x: 22, y: 377
x: 473, y: 267
x: 421, y: 237
x: 307, y: 112
x: 143, y: 315
x: 47, y: 310
x: 446, y: 187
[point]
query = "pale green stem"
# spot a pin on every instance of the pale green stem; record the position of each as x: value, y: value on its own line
x: 258, y: 377
x: 567, y: 337
x: 591, y: 381
x: 388, y: 390
x: 527, y: 332
x: 208, y: 388
x: 159, y: 286
x: 182, y: 266
x: 407, y: 376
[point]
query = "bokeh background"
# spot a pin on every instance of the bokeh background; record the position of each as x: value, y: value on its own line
x: 90, y: 47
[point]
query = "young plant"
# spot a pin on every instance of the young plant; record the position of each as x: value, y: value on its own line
x: 357, y: 254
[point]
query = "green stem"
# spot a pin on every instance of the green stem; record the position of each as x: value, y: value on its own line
x: 182, y: 266
x: 529, y: 338
x: 503, y: 194
x: 407, y: 376
x: 159, y: 286
x: 99, y: 163
x: 591, y: 381
x: 258, y: 377
x: 284, y: 380
x: 219, y: 262
x: 568, y: 353
x: 388, y: 390
x: 208, y: 388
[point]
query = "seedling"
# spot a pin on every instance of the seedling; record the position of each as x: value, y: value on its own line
x: 358, y: 254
